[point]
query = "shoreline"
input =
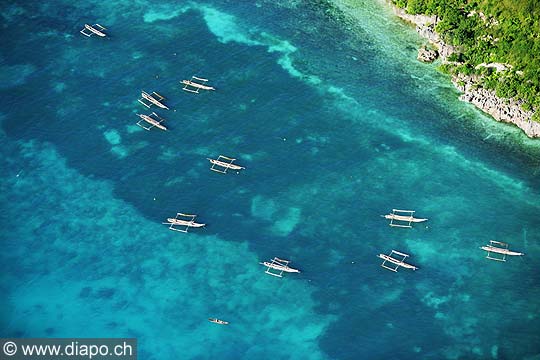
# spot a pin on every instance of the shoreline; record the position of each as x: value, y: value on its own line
x: 501, y: 109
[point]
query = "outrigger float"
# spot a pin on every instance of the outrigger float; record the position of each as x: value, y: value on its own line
x: 154, y: 121
x: 186, y: 224
x: 225, y: 163
x: 500, y: 248
x: 152, y: 99
x: 404, y: 218
x: 396, y: 262
x: 190, y: 85
x: 95, y: 29
x: 279, y: 266
x: 217, y: 321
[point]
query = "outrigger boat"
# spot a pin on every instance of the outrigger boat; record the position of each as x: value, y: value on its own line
x: 501, y: 248
x: 403, y: 216
x: 189, y: 85
x: 177, y: 221
x: 225, y: 163
x: 279, y: 265
x: 95, y: 29
x: 154, y: 99
x: 217, y: 321
x: 397, y: 262
x: 150, y: 120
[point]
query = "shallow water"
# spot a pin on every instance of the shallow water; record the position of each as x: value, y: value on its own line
x: 336, y: 124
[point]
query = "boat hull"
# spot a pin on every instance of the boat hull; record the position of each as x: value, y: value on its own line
x: 153, y: 122
x: 95, y: 31
x: 154, y: 101
x: 501, y: 251
x: 404, y: 218
x: 397, y: 262
x: 198, y: 86
x: 184, y: 223
x: 226, y: 165
x: 280, y: 268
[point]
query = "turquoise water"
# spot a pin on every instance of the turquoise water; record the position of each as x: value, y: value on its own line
x: 336, y: 124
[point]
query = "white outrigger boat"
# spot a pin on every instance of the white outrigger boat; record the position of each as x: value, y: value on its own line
x: 153, y: 99
x: 403, y: 216
x: 397, y: 262
x: 217, y: 321
x: 189, y: 85
x: 186, y: 224
x: 227, y: 164
x: 150, y: 120
x: 279, y: 265
x: 501, y: 248
x: 95, y: 29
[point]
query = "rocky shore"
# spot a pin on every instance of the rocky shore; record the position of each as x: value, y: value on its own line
x: 505, y: 110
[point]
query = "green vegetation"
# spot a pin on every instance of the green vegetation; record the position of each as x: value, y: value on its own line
x: 491, y: 31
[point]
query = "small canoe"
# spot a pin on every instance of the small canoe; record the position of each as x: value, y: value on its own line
x: 217, y: 321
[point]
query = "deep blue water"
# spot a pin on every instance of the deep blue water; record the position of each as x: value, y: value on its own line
x: 336, y: 124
